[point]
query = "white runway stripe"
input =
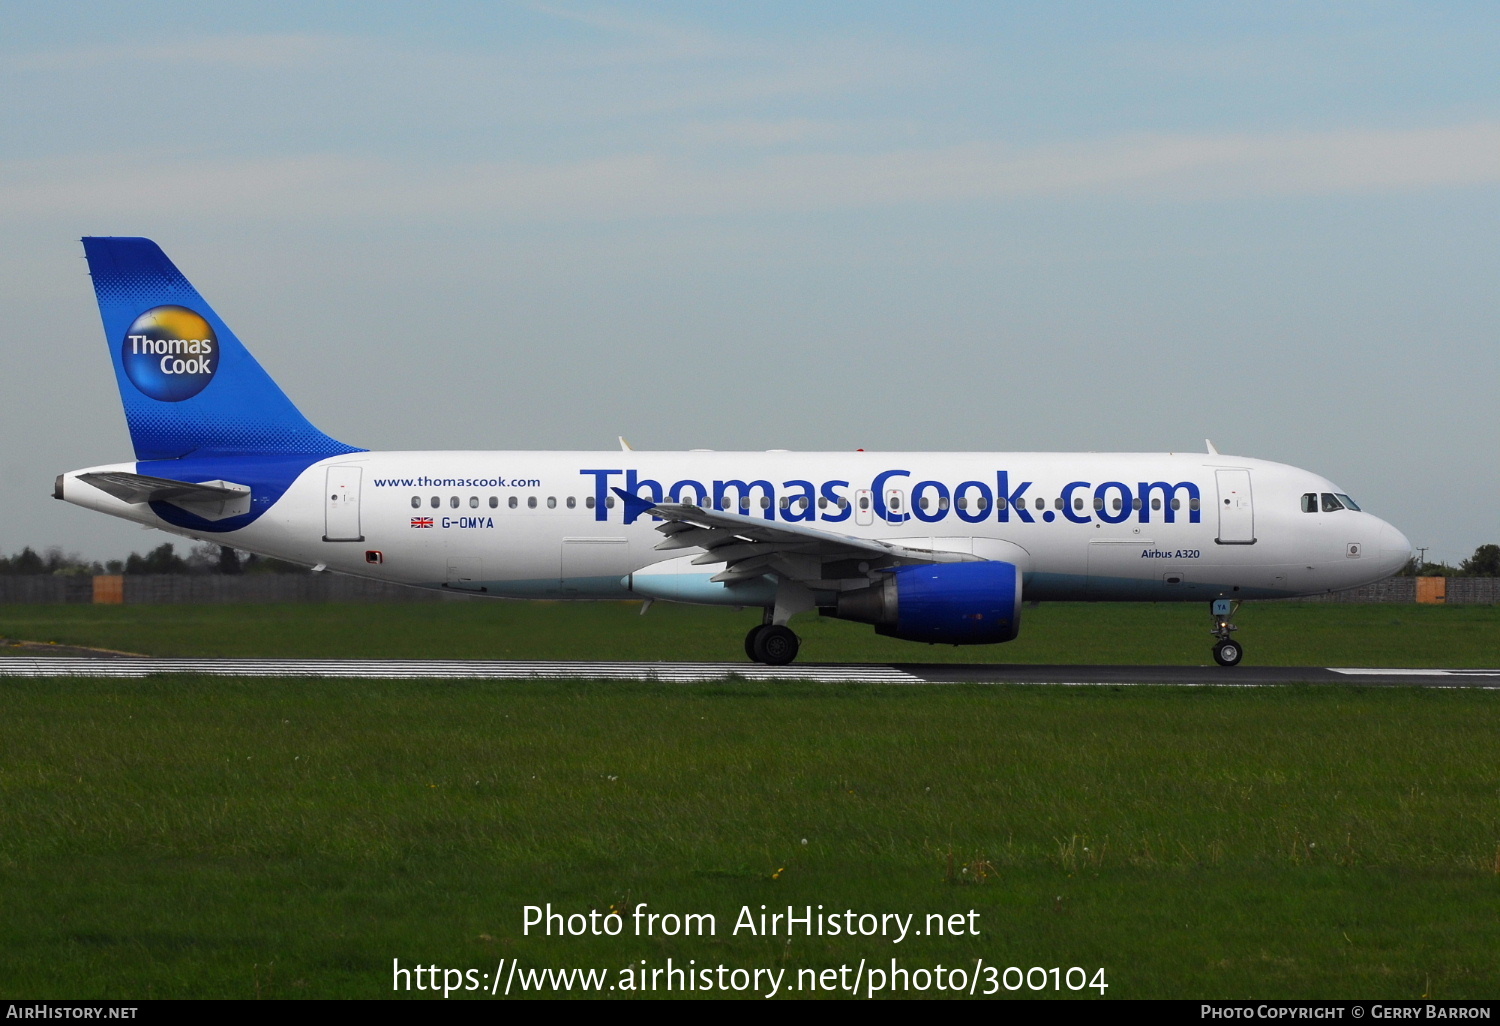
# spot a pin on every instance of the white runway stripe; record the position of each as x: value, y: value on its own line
x: 444, y: 669
x: 1403, y: 672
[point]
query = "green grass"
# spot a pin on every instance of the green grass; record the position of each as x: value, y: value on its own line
x: 210, y: 837
x: 226, y: 838
x: 1286, y: 634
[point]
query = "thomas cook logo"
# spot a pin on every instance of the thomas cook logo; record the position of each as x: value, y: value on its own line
x: 170, y: 353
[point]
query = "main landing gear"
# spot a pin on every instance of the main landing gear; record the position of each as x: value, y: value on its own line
x: 1227, y: 651
x: 772, y: 644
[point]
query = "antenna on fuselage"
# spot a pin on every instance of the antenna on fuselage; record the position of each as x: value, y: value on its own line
x: 1211, y: 450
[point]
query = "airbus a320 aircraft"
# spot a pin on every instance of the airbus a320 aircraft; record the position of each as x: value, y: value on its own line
x: 934, y: 547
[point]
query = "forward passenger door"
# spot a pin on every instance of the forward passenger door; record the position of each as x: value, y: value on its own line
x: 1236, y: 508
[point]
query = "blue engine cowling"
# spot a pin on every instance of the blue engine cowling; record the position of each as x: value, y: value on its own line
x: 946, y: 603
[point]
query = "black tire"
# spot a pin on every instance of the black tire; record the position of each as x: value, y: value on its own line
x: 750, y: 642
x: 776, y: 645
x: 1228, y: 653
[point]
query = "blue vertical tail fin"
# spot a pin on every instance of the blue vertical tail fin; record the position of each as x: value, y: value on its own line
x: 189, y: 386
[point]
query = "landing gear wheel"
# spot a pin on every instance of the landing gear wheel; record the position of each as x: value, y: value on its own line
x: 1228, y: 653
x: 750, y: 642
x: 775, y: 645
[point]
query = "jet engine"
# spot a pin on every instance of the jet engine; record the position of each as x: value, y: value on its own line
x: 946, y: 603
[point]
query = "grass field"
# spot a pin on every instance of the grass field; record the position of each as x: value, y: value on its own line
x: 219, y: 837
x: 1280, y: 634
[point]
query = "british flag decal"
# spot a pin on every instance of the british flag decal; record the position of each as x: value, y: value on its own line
x: 421, y: 521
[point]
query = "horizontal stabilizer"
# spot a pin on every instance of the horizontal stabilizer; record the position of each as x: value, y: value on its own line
x: 212, y: 500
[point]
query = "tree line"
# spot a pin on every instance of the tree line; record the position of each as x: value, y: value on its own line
x: 1484, y: 563
x: 206, y: 558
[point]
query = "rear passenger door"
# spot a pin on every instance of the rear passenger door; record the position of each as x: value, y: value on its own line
x: 341, y: 504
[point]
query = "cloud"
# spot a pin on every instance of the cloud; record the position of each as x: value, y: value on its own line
x: 666, y: 38
x: 250, y: 51
x: 1162, y: 168
x: 641, y: 73
x: 772, y: 132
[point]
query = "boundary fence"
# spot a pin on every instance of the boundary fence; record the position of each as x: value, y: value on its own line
x: 209, y: 589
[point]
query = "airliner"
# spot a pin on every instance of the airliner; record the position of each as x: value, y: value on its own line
x: 941, y: 548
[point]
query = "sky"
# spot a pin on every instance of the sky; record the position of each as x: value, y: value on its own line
x: 816, y: 225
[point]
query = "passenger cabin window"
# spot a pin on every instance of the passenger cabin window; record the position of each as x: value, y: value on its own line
x: 1192, y: 503
x: 531, y: 502
x: 1135, y: 503
x: 514, y: 502
x: 1331, y: 502
x: 1041, y: 504
x: 943, y: 502
x: 551, y: 502
x: 494, y: 502
x: 416, y: 502
x: 1077, y: 502
x: 436, y: 502
x: 589, y: 502
x: 473, y: 502
x: 609, y: 502
x: 572, y: 502
x: 1309, y: 502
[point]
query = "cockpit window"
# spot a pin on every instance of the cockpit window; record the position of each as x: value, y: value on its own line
x: 1331, y: 502
x: 1309, y: 502
x: 1348, y: 501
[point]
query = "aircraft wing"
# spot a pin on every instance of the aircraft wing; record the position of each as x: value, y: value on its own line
x: 752, y: 547
x: 213, y: 500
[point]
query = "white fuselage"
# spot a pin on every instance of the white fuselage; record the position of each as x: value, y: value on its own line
x: 1090, y: 526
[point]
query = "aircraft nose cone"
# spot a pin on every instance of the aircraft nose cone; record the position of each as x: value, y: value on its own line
x: 1395, y: 550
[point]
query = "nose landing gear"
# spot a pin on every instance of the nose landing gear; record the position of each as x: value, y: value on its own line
x: 1227, y: 651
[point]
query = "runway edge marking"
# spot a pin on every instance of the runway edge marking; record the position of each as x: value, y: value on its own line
x: 33, y: 666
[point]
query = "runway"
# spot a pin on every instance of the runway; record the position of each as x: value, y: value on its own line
x: 684, y: 673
